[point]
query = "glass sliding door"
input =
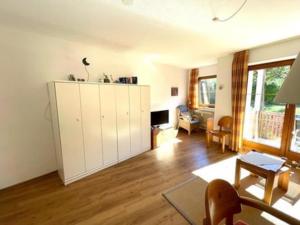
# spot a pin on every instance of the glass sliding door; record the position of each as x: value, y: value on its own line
x: 295, y: 142
x: 293, y: 137
x: 268, y: 126
x: 263, y: 117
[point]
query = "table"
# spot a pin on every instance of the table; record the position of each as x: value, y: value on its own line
x: 160, y: 136
x: 283, y: 175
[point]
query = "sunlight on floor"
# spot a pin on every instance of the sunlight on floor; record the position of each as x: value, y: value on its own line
x: 166, y: 150
x: 272, y: 219
x: 224, y: 169
x: 286, y: 206
x: 256, y: 191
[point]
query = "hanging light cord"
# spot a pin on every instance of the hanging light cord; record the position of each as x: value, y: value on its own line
x: 230, y: 17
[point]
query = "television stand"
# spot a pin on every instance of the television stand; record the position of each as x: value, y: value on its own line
x: 161, y: 135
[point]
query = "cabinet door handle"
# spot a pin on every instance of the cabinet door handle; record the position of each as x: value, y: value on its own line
x: 127, y: 113
x: 102, y: 117
x: 77, y: 119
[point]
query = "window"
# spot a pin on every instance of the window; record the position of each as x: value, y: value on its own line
x: 267, y: 125
x: 207, y: 91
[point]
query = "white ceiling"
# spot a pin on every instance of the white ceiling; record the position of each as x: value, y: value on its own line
x: 175, y: 32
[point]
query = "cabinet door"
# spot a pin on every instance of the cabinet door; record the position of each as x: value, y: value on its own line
x: 91, y: 125
x: 122, y: 96
x: 109, y: 124
x: 69, y: 116
x: 135, y: 119
x: 145, y: 118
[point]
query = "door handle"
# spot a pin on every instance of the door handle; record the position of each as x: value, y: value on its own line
x: 77, y: 119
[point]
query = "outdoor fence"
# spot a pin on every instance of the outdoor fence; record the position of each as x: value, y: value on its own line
x: 270, y: 124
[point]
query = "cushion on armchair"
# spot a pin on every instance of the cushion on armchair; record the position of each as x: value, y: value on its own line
x: 183, y: 108
x: 186, y: 115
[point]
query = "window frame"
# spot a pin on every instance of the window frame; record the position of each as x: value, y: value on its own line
x: 206, y: 78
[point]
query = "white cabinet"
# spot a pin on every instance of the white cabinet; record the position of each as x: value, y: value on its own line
x: 145, y: 118
x: 109, y: 124
x: 70, y: 129
x: 91, y: 125
x: 135, y: 119
x: 97, y: 125
x: 123, y: 125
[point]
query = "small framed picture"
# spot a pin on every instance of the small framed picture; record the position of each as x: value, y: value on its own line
x: 174, y: 91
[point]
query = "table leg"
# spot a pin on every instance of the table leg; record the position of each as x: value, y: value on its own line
x: 208, y: 139
x: 283, y: 180
x: 269, y: 188
x: 237, y: 174
x: 223, y: 143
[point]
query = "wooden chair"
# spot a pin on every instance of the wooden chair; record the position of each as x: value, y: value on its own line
x: 222, y: 201
x: 225, y: 127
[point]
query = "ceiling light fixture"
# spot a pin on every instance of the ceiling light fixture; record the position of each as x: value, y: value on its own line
x: 217, y: 19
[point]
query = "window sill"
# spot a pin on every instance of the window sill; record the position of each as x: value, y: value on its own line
x: 208, y: 109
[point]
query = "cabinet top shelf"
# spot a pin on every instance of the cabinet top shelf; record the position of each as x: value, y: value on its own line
x: 91, y: 82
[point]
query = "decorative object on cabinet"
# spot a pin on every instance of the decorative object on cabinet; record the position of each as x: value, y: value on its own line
x: 120, y: 130
x: 187, y: 119
x: 225, y: 128
x: 106, y: 79
x: 111, y: 79
x: 134, y: 80
x: 174, y: 91
x: 71, y: 77
x: 80, y: 79
x: 85, y: 63
x: 124, y: 80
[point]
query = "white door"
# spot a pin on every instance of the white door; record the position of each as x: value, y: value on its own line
x: 91, y: 125
x: 69, y: 116
x: 145, y: 118
x: 109, y: 124
x: 135, y: 119
x: 122, y: 96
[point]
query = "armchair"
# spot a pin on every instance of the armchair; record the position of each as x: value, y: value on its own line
x: 187, y: 119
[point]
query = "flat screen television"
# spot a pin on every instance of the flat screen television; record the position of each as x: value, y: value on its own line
x: 159, y: 117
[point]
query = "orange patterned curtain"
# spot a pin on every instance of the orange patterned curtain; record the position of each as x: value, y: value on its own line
x: 239, y: 91
x: 193, y: 98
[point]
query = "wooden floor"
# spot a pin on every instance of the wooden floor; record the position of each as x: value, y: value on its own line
x: 128, y: 193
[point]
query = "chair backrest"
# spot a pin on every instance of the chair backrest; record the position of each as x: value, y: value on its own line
x: 182, y: 108
x: 225, y: 123
x: 221, y: 201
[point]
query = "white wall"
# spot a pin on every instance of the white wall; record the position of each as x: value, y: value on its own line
x: 223, y: 93
x: 208, y: 70
x: 28, y: 61
x: 272, y: 52
x: 275, y: 52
